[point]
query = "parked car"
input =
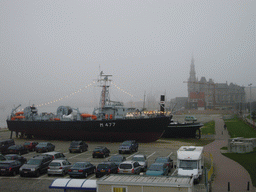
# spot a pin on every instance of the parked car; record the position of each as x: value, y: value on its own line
x: 30, y: 145
x: 4, y: 144
x: 2, y: 158
x: 58, y: 167
x: 100, y: 152
x: 157, y: 169
x: 44, y: 147
x: 166, y: 160
x: 16, y: 157
x: 78, y: 146
x: 56, y: 155
x: 9, y: 167
x: 17, y: 149
x: 117, y: 159
x: 142, y: 160
x: 35, y: 166
x: 130, y: 167
x: 81, y: 169
x: 105, y: 168
x: 128, y: 146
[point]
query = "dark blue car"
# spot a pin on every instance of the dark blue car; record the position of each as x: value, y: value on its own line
x: 23, y: 160
x: 44, y: 147
x: 81, y: 169
x: 105, y: 168
x: 9, y: 167
x: 17, y: 149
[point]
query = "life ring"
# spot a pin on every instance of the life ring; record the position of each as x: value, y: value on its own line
x: 19, y: 113
x: 106, y: 116
x: 110, y: 116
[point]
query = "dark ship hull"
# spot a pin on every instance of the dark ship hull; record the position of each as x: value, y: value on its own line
x: 183, y: 130
x: 141, y: 130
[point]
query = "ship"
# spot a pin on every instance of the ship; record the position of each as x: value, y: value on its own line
x: 183, y: 130
x: 110, y: 122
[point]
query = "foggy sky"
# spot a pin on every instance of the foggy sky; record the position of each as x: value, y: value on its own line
x: 51, y: 49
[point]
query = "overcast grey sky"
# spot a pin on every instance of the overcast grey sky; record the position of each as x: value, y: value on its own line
x: 51, y: 49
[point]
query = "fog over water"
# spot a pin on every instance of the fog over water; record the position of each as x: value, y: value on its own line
x: 51, y: 51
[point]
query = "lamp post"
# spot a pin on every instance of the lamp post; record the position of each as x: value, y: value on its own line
x: 250, y: 85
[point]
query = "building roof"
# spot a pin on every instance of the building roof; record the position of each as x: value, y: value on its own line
x: 168, y: 181
x: 76, y: 184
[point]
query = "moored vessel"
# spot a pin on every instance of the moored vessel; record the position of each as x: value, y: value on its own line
x: 111, y: 121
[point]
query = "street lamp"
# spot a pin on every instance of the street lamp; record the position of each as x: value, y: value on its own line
x: 250, y: 85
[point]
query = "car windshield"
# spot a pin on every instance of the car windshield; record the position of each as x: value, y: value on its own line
x: 2, y: 158
x: 79, y: 165
x: 161, y: 160
x: 27, y: 143
x: 34, y: 162
x: 98, y: 149
x: 55, y: 164
x: 115, y: 159
x: 188, y: 164
x: 75, y: 143
x: 42, y: 145
x: 138, y: 159
x: 103, y: 166
x: 10, y: 157
x: 126, y: 143
x: 125, y: 166
x: 13, y: 147
x: 155, y: 167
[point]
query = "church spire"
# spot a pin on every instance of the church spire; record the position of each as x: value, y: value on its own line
x: 192, y: 73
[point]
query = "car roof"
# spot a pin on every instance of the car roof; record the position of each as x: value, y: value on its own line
x: 139, y: 155
x: 157, y: 164
x: 130, y: 162
x: 105, y: 162
x: 8, y: 161
x: 58, y: 161
x: 51, y: 153
x: 41, y: 157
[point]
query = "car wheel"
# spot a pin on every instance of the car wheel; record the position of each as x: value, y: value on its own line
x: 81, y: 150
x: 103, y: 155
x: 19, y: 152
x: 93, y: 156
x: 14, y: 173
x: 86, y: 174
x: 21, y: 175
x: 136, y: 149
x: 63, y: 173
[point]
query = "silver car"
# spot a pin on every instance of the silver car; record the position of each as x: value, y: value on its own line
x: 130, y: 167
x: 58, y: 167
x: 142, y: 160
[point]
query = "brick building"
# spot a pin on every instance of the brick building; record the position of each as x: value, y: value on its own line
x: 205, y: 94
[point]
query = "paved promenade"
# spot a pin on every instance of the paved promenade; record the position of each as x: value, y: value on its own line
x: 225, y: 169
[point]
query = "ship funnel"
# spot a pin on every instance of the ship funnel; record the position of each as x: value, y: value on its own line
x: 162, y: 104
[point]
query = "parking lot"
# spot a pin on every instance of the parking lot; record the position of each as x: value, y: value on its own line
x: 17, y: 183
x: 151, y: 150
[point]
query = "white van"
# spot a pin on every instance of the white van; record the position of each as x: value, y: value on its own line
x: 190, y: 162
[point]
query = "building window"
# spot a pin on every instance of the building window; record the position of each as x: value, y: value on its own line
x: 119, y: 189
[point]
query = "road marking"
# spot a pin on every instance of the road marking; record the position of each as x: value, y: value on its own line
x: 132, y: 155
x: 169, y: 154
x: 151, y: 155
x: 75, y: 156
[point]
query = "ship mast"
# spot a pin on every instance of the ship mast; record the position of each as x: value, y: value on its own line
x: 105, y: 84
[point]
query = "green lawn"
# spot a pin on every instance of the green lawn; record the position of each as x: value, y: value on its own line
x: 237, y: 128
x: 208, y: 128
x: 247, y: 160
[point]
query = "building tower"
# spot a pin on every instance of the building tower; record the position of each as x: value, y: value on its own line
x: 192, y: 80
